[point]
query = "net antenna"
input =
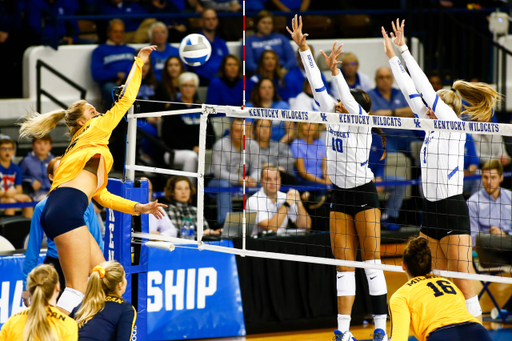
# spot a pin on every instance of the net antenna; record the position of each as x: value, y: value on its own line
x: 293, y: 116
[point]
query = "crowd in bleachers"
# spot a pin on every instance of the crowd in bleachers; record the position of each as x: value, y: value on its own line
x: 276, y: 79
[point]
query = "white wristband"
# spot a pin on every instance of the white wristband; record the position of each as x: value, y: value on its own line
x: 402, y: 48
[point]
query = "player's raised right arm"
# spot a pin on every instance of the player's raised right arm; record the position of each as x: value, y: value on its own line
x: 312, y: 71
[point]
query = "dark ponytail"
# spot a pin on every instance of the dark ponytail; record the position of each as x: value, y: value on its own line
x: 417, y: 257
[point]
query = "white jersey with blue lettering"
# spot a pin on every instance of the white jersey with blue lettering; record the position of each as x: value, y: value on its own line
x: 348, y: 147
x: 442, y: 153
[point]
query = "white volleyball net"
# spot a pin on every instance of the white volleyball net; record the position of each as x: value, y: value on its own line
x: 299, y: 153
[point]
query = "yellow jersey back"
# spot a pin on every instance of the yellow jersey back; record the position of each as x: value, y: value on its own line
x: 426, y: 303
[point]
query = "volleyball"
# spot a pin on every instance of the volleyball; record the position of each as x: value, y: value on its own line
x: 195, y: 49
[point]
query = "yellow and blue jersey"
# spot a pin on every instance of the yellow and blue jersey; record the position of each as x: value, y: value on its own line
x: 115, y: 322
x: 426, y: 303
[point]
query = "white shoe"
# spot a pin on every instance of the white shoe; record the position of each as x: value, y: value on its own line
x: 346, y: 336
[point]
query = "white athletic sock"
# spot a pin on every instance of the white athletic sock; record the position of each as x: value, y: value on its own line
x: 343, y: 323
x: 380, y: 321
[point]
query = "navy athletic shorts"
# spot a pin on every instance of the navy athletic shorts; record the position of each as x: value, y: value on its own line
x: 468, y: 331
x: 445, y: 217
x: 64, y: 211
x: 351, y: 201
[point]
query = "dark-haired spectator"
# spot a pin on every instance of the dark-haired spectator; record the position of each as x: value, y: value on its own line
x: 295, y: 78
x: 269, y: 67
x: 222, y: 5
x: 179, y: 192
x: 181, y: 132
x: 292, y: 5
x: 309, y: 153
x: 209, y: 70
x: 228, y: 169
x: 33, y: 167
x: 111, y: 60
x: 471, y: 163
x: 47, y: 10
x: 436, y: 82
x: 388, y: 101
x: 264, y: 95
x: 150, y: 154
x: 136, y: 29
x: 177, y: 27
x: 172, y: 70
x: 11, y: 190
x: 158, y: 34
x: 265, y: 39
x: 274, y: 153
x: 227, y: 87
x: 490, y: 209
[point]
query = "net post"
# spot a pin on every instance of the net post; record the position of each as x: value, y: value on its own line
x: 131, y: 143
x: 200, y: 172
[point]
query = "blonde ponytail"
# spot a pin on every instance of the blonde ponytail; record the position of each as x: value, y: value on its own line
x: 39, y: 125
x: 102, y: 282
x: 481, y: 97
x: 41, y: 282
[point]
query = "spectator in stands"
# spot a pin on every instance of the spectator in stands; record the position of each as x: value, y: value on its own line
x: 33, y: 167
x: 209, y: 70
x: 274, y: 208
x: 149, y: 83
x: 181, y: 132
x: 470, y: 165
x: 11, y: 190
x: 228, y: 169
x: 295, y: 78
x: 490, y: 209
x: 170, y: 91
x: 436, y: 82
x: 37, y: 235
x: 163, y: 226
x: 269, y: 67
x: 158, y: 34
x: 291, y: 5
x: 150, y: 153
x: 387, y: 101
x: 179, y: 192
x: 377, y: 164
x: 110, y: 61
x: 177, y: 27
x: 136, y: 29
x: 265, y: 39
x: 221, y: 5
x: 310, y: 155
x: 273, y: 153
x: 227, y: 87
x: 47, y: 10
x: 264, y: 95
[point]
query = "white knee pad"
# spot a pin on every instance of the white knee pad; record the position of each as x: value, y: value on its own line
x: 473, y: 306
x: 69, y: 299
x: 376, y: 281
x: 346, y: 283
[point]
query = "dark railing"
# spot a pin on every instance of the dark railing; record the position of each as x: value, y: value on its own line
x: 40, y: 92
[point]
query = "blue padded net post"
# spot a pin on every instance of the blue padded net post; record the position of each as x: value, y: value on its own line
x: 134, y: 258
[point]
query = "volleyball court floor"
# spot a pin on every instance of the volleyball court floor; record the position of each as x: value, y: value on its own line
x: 498, y: 331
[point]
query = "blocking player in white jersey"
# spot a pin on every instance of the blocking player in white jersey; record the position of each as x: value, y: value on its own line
x: 446, y: 220
x: 355, y: 213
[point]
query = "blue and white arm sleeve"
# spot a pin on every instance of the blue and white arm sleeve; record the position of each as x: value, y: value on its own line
x: 442, y: 111
x: 314, y: 76
x: 346, y: 96
x: 408, y: 89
